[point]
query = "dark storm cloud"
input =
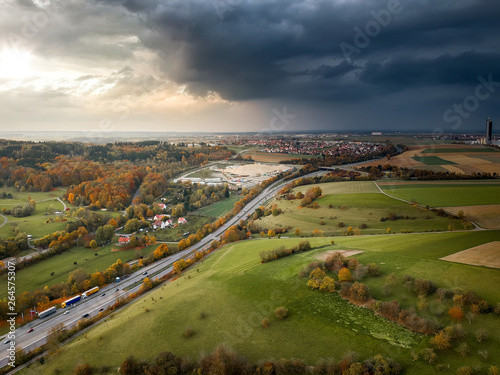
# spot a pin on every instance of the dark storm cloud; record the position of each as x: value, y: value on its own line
x: 463, y: 69
x: 422, y: 57
x: 290, y: 49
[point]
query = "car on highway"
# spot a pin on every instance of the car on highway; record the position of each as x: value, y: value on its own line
x: 145, y: 273
x: 30, y: 330
x: 6, y: 341
x: 66, y: 312
x: 101, y: 309
x: 102, y: 295
x: 85, y: 315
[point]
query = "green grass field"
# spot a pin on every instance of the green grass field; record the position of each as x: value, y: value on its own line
x: 345, y: 187
x: 36, y: 224
x: 20, y: 198
x: 33, y: 225
x: 236, y: 292
x: 366, y: 207
x: 176, y: 234
x: 444, y: 195
x: 458, y: 150
x: 38, y: 276
x: 432, y: 160
x: 218, y: 209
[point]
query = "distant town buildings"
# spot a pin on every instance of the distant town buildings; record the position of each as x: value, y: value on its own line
x: 316, y: 147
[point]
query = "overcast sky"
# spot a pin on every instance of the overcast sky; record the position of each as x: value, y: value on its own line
x: 249, y: 65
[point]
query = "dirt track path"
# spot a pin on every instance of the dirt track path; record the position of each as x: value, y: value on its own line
x: 5, y: 222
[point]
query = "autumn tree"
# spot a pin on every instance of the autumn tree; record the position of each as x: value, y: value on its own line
x: 281, y: 313
x: 146, y: 285
x: 441, y: 340
x: 360, y: 292
x: 159, y: 253
x: 456, y: 314
x: 97, y: 279
x: 179, y: 266
x: 327, y: 284
x: 345, y: 274
x: 183, y: 243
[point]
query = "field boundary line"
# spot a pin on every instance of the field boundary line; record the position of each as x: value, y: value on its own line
x: 5, y: 222
x: 477, y: 227
x: 223, y: 255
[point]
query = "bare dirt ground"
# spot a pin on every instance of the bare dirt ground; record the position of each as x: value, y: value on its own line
x: 486, y: 216
x: 403, y: 160
x: 487, y: 255
x: 453, y: 168
x: 255, y: 169
x: 466, y: 163
x: 346, y: 253
x: 439, y: 182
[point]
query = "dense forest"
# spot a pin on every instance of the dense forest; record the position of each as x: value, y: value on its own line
x: 106, y: 176
x: 112, y: 176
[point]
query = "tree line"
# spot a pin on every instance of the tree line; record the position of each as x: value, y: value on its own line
x: 223, y: 361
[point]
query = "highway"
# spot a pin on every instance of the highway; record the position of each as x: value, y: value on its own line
x: 91, y: 305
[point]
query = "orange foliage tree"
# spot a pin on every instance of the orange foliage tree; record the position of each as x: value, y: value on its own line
x: 345, y: 274
x: 441, y: 340
x: 456, y: 314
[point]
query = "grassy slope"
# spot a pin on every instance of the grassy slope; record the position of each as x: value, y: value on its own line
x: 367, y: 206
x: 446, y: 196
x: 38, y: 275
x: 345, y: 187
x: 236, y: 292
x: 218, y: 209
x: 34, y: 224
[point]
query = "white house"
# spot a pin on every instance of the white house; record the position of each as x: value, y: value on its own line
x: 160, y: 224
x: 159, y: 217
x: 182, y: 221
